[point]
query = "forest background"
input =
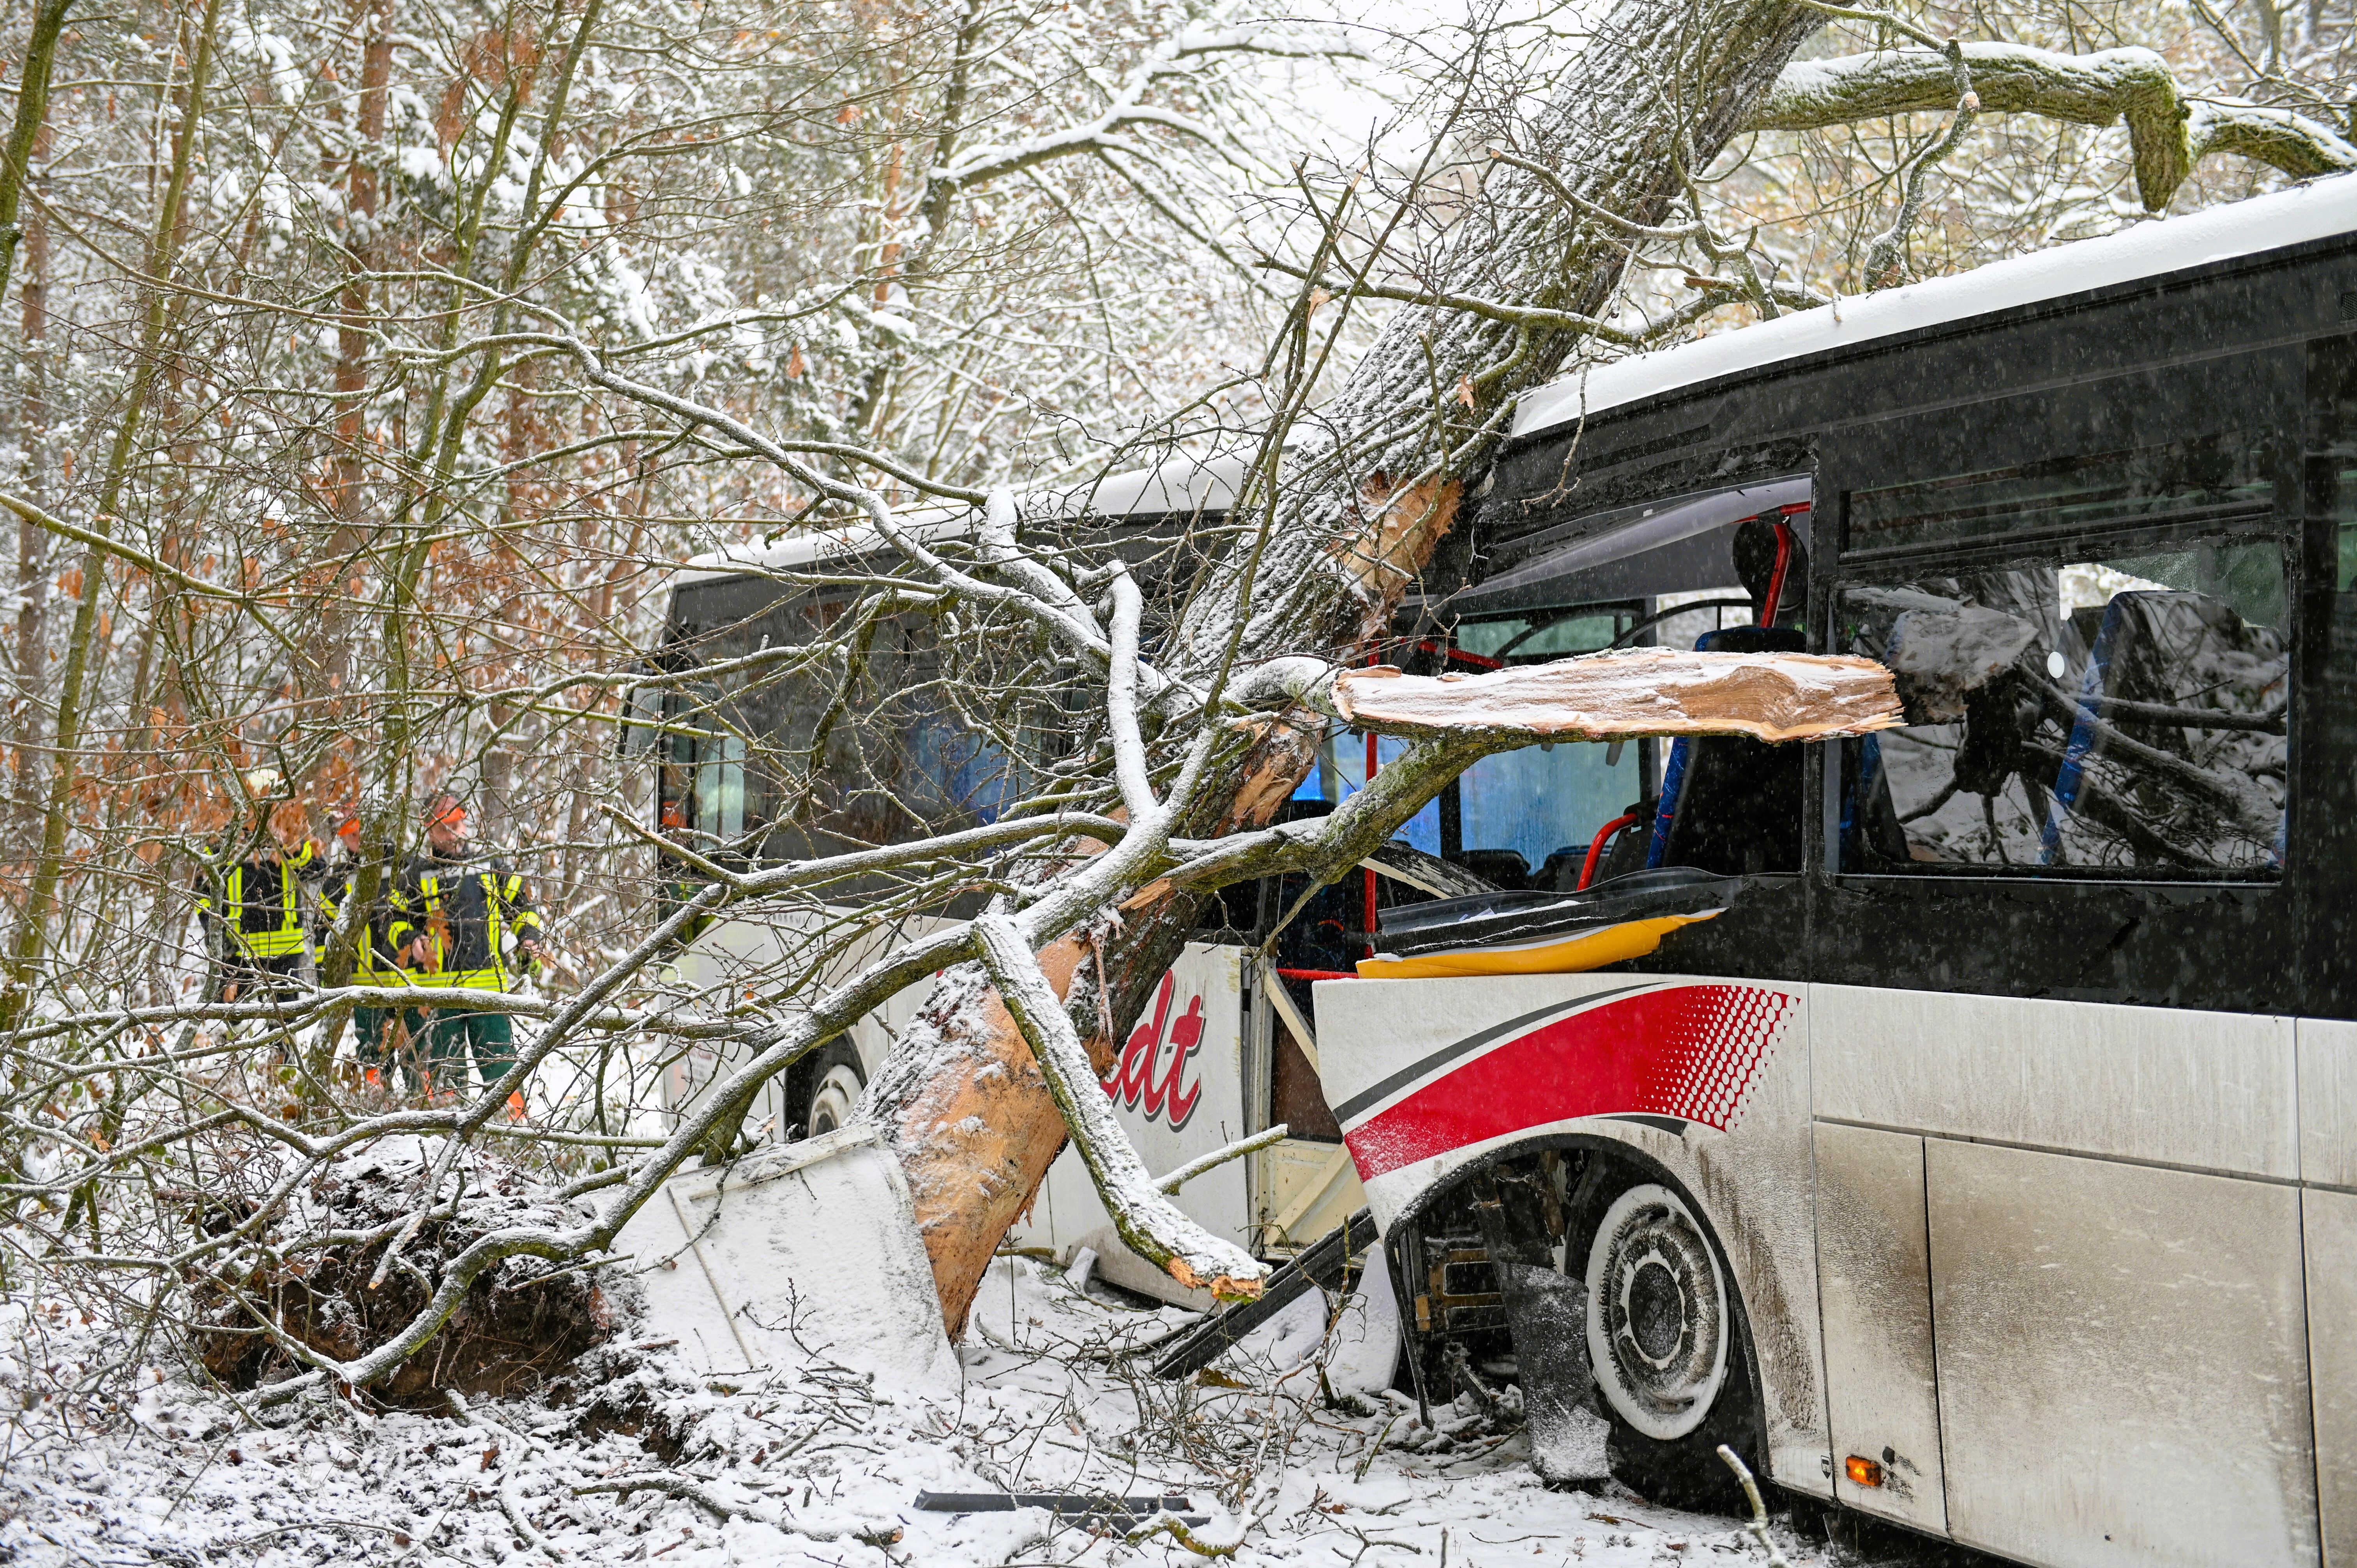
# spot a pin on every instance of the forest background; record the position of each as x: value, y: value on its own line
x: 369, y: 370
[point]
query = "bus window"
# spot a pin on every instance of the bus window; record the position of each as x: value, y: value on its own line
x: 2100, y: 704
x: 1523, y: 819
x: 1518, y: 819
x: 834, y: 755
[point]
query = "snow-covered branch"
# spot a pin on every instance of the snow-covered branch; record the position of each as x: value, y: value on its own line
x: 2170, y: 130
x: 1154, y: 1227
x: 1127, y: 109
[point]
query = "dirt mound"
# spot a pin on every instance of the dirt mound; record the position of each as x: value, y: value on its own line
x: 522, y: 1322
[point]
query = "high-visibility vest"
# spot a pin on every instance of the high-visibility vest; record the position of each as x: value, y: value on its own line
x: 272, y: 927
x: 371, y: 965
x: 466, y: 910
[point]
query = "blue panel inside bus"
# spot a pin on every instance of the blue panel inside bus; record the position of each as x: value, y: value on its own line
x: 1535, y: 803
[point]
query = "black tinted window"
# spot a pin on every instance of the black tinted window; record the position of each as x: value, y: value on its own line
x: 2100, y: 710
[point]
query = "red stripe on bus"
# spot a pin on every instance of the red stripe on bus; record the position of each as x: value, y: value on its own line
x: 1320, y: 973
x: 1688, y: 1051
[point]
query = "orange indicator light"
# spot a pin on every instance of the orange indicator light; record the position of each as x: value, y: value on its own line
x: 1862, y: 1471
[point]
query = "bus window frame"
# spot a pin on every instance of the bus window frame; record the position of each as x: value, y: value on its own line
x: 1973, y: 436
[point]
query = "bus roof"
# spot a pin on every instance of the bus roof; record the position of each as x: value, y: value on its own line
x: 2317, y: 210
x: 1179, y: 484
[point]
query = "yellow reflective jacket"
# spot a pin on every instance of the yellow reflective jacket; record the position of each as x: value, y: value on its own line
x: 255, y: 907
x: 373, y: 961
x: 466, y: 908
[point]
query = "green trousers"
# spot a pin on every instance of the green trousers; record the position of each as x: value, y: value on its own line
x: 371, y: 1027
x: 440, y: 1042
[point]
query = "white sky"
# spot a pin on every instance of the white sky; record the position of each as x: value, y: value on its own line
x: 1403, y: 37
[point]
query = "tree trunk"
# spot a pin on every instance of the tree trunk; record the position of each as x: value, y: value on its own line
x: 82, y: 642
x: 1658, y: 92
x: 32, y: 543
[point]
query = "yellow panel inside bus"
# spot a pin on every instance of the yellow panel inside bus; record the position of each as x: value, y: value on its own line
x: 1304, y: 1189
x: 1572, y: 955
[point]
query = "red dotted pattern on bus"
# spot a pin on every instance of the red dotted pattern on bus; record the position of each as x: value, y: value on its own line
x: 1688, y: 1051
x: 1711, y: 1051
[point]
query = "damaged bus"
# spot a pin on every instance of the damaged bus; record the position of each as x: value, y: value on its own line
x: 1960, y: 1121
x: 761, y: 770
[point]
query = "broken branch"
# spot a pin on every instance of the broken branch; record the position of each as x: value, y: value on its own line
x: 1153, y: 1227
x: 1220, y: 1156
x: 1606, y: 696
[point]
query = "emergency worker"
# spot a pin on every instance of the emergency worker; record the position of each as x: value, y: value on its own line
x: 252, y: 905
x: 453, y: 917
x: 380, y: 1034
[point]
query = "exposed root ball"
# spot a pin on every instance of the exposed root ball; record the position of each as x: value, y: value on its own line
x: 521, y: 1323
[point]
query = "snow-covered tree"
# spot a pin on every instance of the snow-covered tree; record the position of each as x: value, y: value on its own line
x: 374, y: 366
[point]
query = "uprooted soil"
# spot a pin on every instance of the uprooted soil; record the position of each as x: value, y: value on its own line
x: 522, y: 1323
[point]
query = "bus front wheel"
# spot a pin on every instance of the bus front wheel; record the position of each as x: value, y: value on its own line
x: 1664, y: 1345
x: 836, y: 1084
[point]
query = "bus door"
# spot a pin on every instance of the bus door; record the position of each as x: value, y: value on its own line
x: 1223, y: 1050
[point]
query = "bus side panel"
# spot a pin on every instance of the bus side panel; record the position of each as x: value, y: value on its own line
x: 1177, y: 1089
x: 1391, y: 1047
x: 727, y: 957
x: 2328, y: 1102
x: 734, y: 956
x: 2209, y: 1090
x: 1874, y: 1272
x: 2327, y: 1158
x: 2330, y: 1232
x: 2107, y: 1334
x: 2123, y: 1361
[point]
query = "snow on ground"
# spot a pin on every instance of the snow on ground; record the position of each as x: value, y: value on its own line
x: 809, y: 1466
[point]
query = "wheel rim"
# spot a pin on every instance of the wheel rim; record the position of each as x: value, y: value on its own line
x: 1657, y: 1321
x: 832, y: 1101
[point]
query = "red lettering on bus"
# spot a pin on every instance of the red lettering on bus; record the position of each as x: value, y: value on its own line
x: 1134, y: 1083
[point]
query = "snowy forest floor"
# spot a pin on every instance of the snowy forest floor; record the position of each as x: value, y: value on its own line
x: 809, y: 1466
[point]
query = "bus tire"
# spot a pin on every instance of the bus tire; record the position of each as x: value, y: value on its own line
x: 1666, y: 1347
x: 836, y: 1085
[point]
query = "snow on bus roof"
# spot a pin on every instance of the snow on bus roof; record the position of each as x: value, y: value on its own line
x: 2146, y: 250
x: 1179, y: 484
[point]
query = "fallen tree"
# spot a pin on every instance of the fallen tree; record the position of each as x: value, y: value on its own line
x: 1336, y: 534
x: 1093, y: 881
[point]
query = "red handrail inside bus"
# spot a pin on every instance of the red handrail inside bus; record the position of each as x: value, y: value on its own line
x: 1478, y: 660
x: 1775, y: 600
x: 1776, y: 578
x: 1595, y: 848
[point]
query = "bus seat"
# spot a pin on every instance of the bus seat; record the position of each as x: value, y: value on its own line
x: 1498, y: 867
x: 1870, y: 816
x: 1729, y: 803
x: 1561, y: 872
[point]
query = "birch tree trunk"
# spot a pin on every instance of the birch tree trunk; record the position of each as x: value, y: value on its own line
x: 1658, y: 91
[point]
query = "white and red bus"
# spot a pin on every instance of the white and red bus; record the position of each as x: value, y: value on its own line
x: 1960, y: 1122
x: 1979, y: 1148
x: 1223, y: 1047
